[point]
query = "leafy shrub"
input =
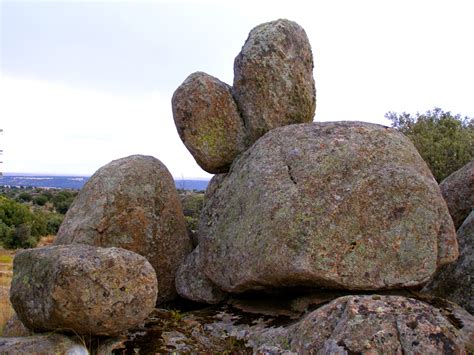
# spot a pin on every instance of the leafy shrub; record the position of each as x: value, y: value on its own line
x: 444, y: 141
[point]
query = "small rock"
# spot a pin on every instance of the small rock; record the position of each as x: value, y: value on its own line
x: 42, y: 344
x: 273, y: 78
x: 82, y: 289
x: 132, y: 203
x: 15, y: 328
x: 192, y: 284
x: 455, y: 281
x: 208, y: 122
x: 458, y: 191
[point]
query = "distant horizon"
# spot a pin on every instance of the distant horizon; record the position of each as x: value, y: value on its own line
x: 89, y: 175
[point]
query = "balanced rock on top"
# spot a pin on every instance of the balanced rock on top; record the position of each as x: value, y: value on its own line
x: 345, y: 205
x: 273, y: 87
x: 208, y: 121
x: 132, y: 203
x: 273, y: 78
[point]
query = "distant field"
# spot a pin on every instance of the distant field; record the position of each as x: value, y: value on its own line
x: 76, y: 182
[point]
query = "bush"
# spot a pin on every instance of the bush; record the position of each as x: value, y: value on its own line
x: 21, y: 228
x: 444, y: 141
x: 40, y: 200
x: 24, y: 197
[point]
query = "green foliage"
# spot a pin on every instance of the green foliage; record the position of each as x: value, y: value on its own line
x: 40, y: 200
x: 62, y: 201
x: 444, y: 141
x: 21, y: 227
x: 24, y: 197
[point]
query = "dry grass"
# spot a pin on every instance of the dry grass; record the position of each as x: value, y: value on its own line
x: 6, y: 310
x: 46, y: 241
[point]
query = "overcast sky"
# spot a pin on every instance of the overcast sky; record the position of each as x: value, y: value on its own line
x: 83, y: 83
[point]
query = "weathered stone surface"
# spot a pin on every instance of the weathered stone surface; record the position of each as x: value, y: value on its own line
x: 192, y: 284
x: 42, y: 344
x: 82, y: 289
x: 369, y: 321
x: 15, y: 328
x: 273, y: 78
x: 344, y: 205
x: 375, y: 324
x: 455, y: 281
x: 208, y: 121
x: 458, y: 191
x: 132, y: 203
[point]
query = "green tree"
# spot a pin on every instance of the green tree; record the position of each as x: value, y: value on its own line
x: 40, y: 200
x: 444, y: 141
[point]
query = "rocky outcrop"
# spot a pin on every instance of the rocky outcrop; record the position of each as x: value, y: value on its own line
x: 82, y: 289
x: 42, y: 344
x: 208, y: 122
x: 273, y: 78
x: 345, y: 205
x: 375, y: 324
x: 458, y: 191
x: 455, y: 281
x: 132, y: 203
x: 192, y: 284
x: 350, y: 324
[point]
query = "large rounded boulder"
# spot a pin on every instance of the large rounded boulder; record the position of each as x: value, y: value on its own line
x: 208, y: 121
x: 458, y: 191
x: 82, y: 289
x: 132, y: 203
x: 345, y: 205
x: 273, y: 78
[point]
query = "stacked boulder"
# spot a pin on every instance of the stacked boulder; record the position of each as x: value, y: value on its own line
x: 273, y: 87
x: 339, y: 205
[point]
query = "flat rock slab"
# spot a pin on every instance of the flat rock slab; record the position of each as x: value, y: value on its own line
x: 82, y: 289
x: 345, y: 205
x: 132, y: 203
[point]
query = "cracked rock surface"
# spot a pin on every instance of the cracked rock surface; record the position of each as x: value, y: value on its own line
x: 345, y: 205
x: 82, y: 289
x: 132, y: 203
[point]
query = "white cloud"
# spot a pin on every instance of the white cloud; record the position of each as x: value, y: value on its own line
x: 53, y: 128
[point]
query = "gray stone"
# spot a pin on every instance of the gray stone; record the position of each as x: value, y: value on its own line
x: 208, y: 122
x: 374, y: 325
x: 132, y: 203
x: 455, y: 281
x: 82, y: 289
x: 42, y: 344
x: 458, y: 191
x: 192, y: 284
x: 345, y: 205
x: 273, y: 78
